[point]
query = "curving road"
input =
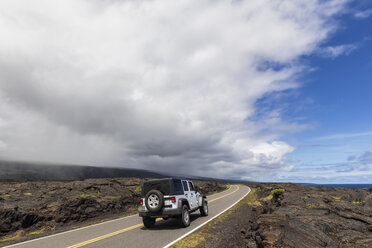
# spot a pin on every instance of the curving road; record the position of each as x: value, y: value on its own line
x: 129, y: 232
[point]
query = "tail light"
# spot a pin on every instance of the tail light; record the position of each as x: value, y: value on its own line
x: 141, y: 201
x: 173, y: 199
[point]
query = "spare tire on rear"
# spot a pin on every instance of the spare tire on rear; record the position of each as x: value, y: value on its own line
x: 154, y: 201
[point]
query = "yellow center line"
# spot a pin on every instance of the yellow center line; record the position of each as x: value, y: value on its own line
x: 225, y: 195
x: 131, y: 227
x: 105, y: 236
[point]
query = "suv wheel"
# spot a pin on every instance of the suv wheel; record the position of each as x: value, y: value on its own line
x: 204, y: 208
x: 148, y: 222
x: 154, y: 200
x: 184, y: 219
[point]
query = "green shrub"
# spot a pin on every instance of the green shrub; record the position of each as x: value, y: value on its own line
x: 276, y: 190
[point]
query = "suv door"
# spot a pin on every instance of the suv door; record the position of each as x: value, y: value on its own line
x: 187, y: 192
x: 193, y: 196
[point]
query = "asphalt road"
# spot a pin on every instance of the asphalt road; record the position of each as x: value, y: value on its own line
x: 129, y: 231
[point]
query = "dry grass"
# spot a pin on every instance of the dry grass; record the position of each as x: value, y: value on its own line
x: 37, y: 232
x: 310, y: 205
x: 19, y: 235
x: 251, y: 199
x: 197, y: 240
x: 87, y: 196
x: 13, y: 237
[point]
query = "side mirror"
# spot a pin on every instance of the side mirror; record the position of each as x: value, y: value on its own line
x: 196, y: 189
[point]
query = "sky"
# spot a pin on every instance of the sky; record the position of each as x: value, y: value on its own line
x: 255, y: 90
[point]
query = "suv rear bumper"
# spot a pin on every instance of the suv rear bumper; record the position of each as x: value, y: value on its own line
x: 165, y: 212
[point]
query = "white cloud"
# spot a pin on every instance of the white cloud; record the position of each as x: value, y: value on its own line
x: 165, y: 85
x: 363, y: 14
x: 3, y: 145
x: 343, y: 136
x: 288, y: 168
x: 271, y: 152
x: 336, y: 51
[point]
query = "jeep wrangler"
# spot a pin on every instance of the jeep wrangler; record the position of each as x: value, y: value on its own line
x: 170, y: 198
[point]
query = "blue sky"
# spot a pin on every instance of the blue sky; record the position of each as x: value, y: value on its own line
x: 335, y: 100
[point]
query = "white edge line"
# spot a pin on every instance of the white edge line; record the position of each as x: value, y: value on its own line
x: 81, y: 228
x: 196, y: 228
x: 73, y: 230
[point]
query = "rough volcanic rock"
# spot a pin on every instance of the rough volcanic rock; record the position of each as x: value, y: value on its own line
x: 304, y: 216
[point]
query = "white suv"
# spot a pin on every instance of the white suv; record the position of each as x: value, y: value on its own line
x: 170, y: 198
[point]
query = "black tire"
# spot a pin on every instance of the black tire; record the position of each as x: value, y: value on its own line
x: 148, y: 221
x: 204, y: 208
x: 184, y: 218
x: 154, y: 201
